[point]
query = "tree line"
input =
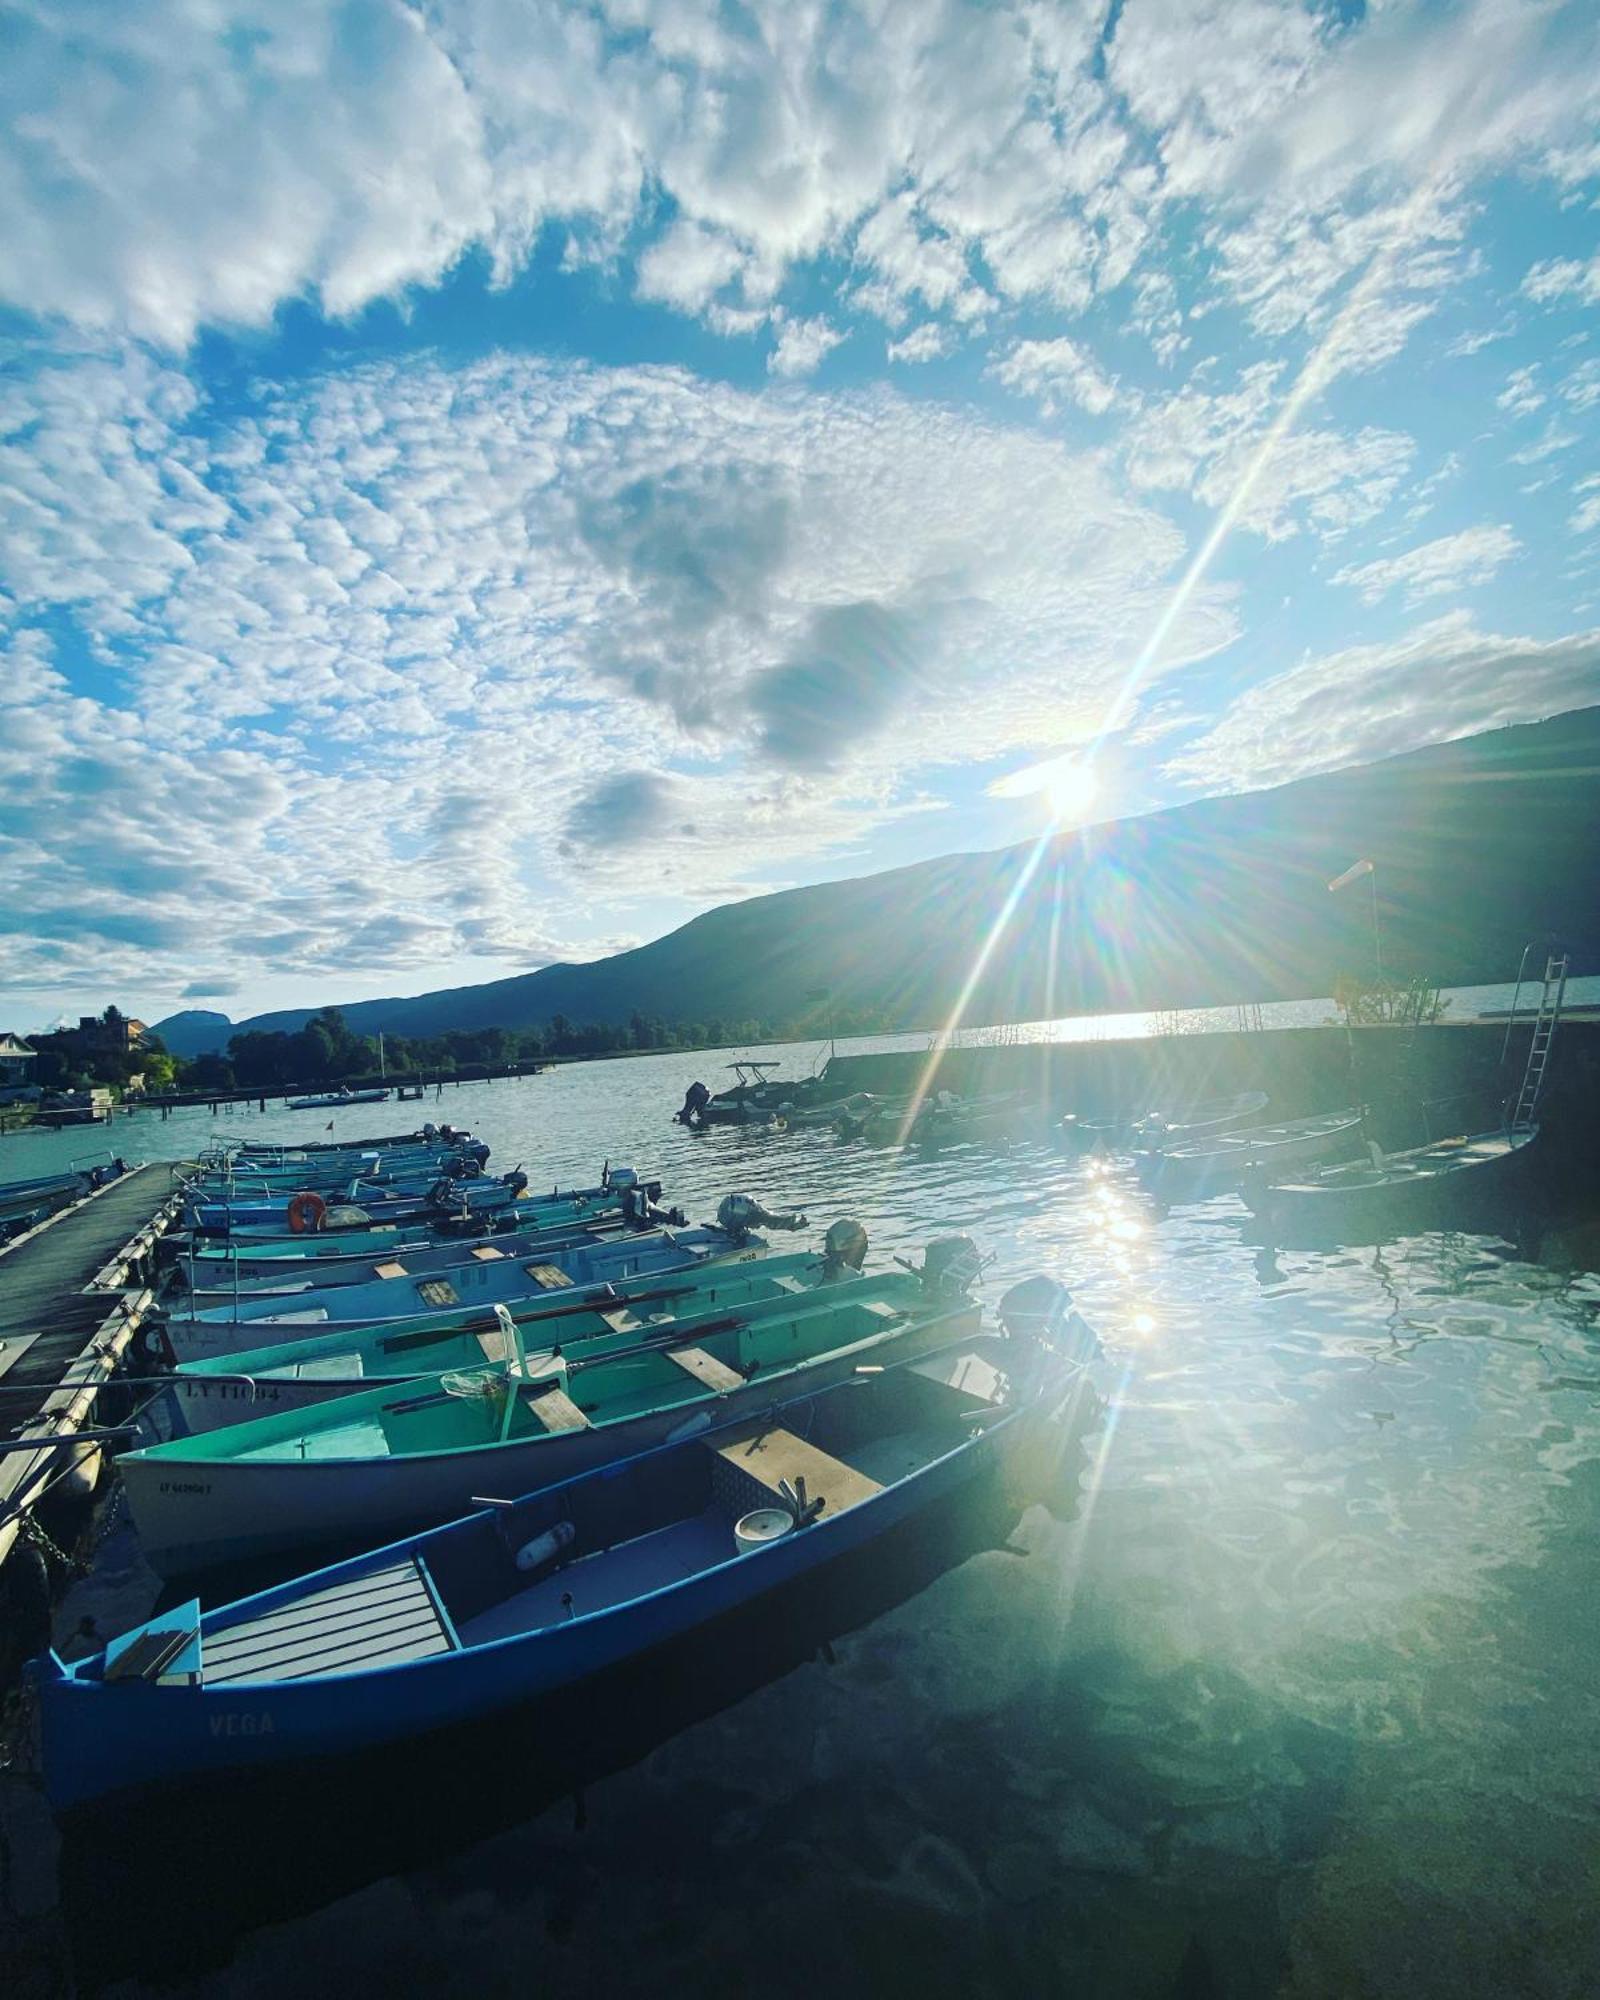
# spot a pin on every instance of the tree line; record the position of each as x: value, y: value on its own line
x: 326, y: 1051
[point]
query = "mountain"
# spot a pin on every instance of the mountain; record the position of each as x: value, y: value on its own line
x: 194, y: 1032
x: 1479, y: 846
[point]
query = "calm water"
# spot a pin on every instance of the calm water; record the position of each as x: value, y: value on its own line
x: 1290, y: 1691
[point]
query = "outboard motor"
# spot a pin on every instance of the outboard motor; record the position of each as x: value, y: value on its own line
x: 1038, y: 1309
x: 516, y: 1180
x: 478, y: 1151
x: 738, y: 1214
x: 844, y: 1250
x: 635, y: 1200
x: 430, y: 1131
x: 951, y: 1267
x: 695, y: 1100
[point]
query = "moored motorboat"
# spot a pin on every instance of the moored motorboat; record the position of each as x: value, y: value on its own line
x: 398, y: 1458
x: 581, y: 1320
x: 334, y: 1100
x: 478, y: 1284
x: 525, y: 1597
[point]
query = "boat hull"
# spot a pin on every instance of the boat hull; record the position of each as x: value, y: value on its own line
x: 1396, y: 1199
x: 202, y: 1514
x: 1215, y: 1166
x: 100, y: 1741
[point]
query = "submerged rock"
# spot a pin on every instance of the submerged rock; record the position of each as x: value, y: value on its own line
x: 1088, y: 1841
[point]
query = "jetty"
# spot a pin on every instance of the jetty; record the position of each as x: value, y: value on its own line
x: 73, y: 1294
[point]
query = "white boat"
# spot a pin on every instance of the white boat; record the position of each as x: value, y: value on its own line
x: 334, y: 1100
x: 1207, y: 1166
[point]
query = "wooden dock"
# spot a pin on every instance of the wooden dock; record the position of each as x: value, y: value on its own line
x: 73, y: 1292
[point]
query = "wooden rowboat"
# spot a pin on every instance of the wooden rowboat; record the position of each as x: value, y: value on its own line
x: 1466, y: 1182
x: 524, y: 1598
x: 396, y: 1459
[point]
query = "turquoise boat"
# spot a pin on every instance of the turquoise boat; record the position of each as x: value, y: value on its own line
x: 397, y: 1458
x: 529, y: 1596
x: 490, y: 1275
x: 582, y: 1320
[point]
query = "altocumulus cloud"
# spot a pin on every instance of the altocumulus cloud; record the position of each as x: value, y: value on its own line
x: 382, y: 626
x: 162, y: 171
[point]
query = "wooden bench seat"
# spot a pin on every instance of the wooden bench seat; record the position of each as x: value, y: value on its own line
x: 706, y: 1369
x: 556, y: 1410
x: 772, y: 1456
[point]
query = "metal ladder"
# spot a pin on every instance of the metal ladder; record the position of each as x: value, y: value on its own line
x: 1544, y: 1034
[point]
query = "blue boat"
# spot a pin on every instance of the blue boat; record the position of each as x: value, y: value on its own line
x: 529, y: 1596
x: 477, y: 1283
x: 381, y: 1201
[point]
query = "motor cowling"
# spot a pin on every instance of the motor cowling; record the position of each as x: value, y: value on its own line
x: 844, y: 1249
x: 738, y: 1214
x: 517, y: 1180
x: 951, y: 1267
x: 1041, y: 1310
x: 695, y: 1100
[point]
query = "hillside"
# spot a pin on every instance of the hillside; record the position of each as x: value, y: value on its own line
x: 1480, y: 845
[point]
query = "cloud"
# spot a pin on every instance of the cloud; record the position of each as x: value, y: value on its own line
x: 854, y: 669
x: 163, y: 172
x: 1442, y: 681
x: 1209, y: 444
x: 1053, y: 372
x: 1558, y: 279
x: 623, y: 810
x: 1440, y: 568
x: 1521, y: 396
x: 924, y: 343
x: 802, y: 344
x: 361, y: 643
x: 209, y: 989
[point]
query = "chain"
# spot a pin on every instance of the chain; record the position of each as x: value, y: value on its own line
x: 31, y: 1530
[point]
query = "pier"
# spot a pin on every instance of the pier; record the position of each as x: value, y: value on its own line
x: 73, y: 1293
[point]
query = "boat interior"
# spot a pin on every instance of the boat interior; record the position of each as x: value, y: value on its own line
x: 659, y: 1520
x: 404, y: 1350
x: 470, y: 1411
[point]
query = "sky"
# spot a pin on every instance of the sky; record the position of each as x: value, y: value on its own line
x: 483, y: 482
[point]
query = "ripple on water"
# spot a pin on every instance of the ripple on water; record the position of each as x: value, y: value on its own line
x: 1328, y: 1584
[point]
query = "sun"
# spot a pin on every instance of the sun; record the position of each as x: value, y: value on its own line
x: 1070, y: 789
x: 1066, y: 784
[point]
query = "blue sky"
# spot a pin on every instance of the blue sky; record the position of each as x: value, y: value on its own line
x: 482, y: 483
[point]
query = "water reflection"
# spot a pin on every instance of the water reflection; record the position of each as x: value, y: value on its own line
x: 1299, y: 1702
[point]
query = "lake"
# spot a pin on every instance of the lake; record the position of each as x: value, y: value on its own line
x: 1288, y: 1690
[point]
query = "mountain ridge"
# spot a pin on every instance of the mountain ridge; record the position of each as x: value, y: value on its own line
x: 1207, y: 903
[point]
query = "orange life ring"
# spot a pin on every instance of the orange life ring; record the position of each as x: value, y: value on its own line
x: 306, y: 1211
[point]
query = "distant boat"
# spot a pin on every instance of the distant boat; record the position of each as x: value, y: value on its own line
x: 1462, y: 1183
x: 1158, y: 1130
x: 532, y: 1595
x: 335, y: 1099
x: 1208, y: 1165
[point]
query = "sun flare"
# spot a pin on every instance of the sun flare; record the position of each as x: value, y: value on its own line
x: 1066, y: 784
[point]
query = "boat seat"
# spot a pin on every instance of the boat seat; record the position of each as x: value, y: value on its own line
x: 378, y: 1620
x: 548, y: 1277
x: 486, y: 1251
x: 556, y: 1410
x: 769, y: 1457
x: 706, y: 1369
x: 390, y: 1270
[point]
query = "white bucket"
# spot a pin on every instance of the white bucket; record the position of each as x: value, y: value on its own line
x: 765, y: 1524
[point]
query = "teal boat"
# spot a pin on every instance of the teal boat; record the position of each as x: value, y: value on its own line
x: 401, y: 1457
x: 534, y: 1594
x: 583, y: 1322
